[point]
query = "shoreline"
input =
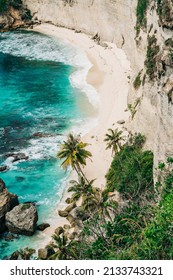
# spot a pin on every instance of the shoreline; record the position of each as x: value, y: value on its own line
x: 109, y: 76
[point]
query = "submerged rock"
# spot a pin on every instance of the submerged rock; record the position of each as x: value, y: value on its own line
x: 22, y: 219
x: 17, y: 156
x: 7, y: 202
x: 3, y: 168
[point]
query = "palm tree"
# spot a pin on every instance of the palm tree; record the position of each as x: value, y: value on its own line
x: 65, y: 250
x: 81, y: 188
x: 74, y: 154
x: 114, y: 139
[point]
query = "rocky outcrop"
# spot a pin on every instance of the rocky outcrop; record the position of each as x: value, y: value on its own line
x: 165, y: 11
x: 43, y: 226
x: 3, y: 168
x: 45, y: 253
x: 7, y: 202
x: 22, y: 219
x: 17, y: 156
x: 13, y: 16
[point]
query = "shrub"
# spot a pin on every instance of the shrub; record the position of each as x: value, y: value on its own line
x: 137, y: 81
x: 131, y: 171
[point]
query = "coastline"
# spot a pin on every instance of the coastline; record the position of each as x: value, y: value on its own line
x: 109, y: 76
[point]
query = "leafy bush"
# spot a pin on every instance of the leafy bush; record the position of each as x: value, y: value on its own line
x: 141, y: 14
x: 4, y: 4
x: 137, y: 81
x: 131, y: 171
x: 150, y: 62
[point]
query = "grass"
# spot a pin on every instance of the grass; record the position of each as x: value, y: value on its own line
x: 150, y: 62
x: 137, y: 81
x: 141, y: 10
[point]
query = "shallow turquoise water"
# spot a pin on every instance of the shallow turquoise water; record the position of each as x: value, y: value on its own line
x: 36, y: 95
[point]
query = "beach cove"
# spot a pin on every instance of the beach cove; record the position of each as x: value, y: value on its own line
x: 109, y: 75
x: 108, y: 72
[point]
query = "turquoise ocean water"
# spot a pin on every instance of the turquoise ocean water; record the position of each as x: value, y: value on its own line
x: 42, y: 89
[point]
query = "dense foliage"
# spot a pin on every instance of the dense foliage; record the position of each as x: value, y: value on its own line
x: 141, y: 14
x: 138, y: 230
x: 131, y: 170
x: 150, y: 62
x: 4, y: 4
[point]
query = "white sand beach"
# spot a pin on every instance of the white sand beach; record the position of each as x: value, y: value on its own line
x: 109, y: 75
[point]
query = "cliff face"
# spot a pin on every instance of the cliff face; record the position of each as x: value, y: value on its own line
x: 150, y: 53
x: 13, y: 15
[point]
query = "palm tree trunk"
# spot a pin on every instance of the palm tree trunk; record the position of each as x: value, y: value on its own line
x: 80, y: 171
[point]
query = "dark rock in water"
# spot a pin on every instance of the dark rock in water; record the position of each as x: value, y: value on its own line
x: 8, y: 236
x: 20, y: 179
x: 17, y: 156
x: 2, y: 185
x: 41, y: 134
x: 7, y: 202
x: 22, y: 219
x: 3, y: 168
x: 42, y: 226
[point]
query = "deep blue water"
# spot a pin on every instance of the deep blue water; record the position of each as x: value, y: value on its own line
x: 38, y: 93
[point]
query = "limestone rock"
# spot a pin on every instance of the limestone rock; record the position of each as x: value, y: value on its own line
x: 70, y: 207
x: 121, y: 121
x: 59, y: 230
x: 7, y: 202
x: 68, y: 200
x: 63, y: 213
x: 43, y: 226
x: 66, y: 227
x: 22, y: 219
x: 45, y: 253
x: 79, y: 214
x: 2, y: 185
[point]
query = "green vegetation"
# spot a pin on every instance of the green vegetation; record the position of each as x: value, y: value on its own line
x: 137, y: 226
x: 4, y: 4
x: 132, y: 107
x: 131, y: 170
x: 150, y: 62
x: 114, y: 139
x: 137, y: 81
x: 74, y: 154
x: 141, y: 10
x: 142, y: 228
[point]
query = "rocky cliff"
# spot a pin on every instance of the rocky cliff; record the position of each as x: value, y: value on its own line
x: 13, y: 15
x: 147, y: 42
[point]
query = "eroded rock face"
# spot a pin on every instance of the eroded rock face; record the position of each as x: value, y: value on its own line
x: 7, y: 202
x: 22, y: 219
x: 14, y: 17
